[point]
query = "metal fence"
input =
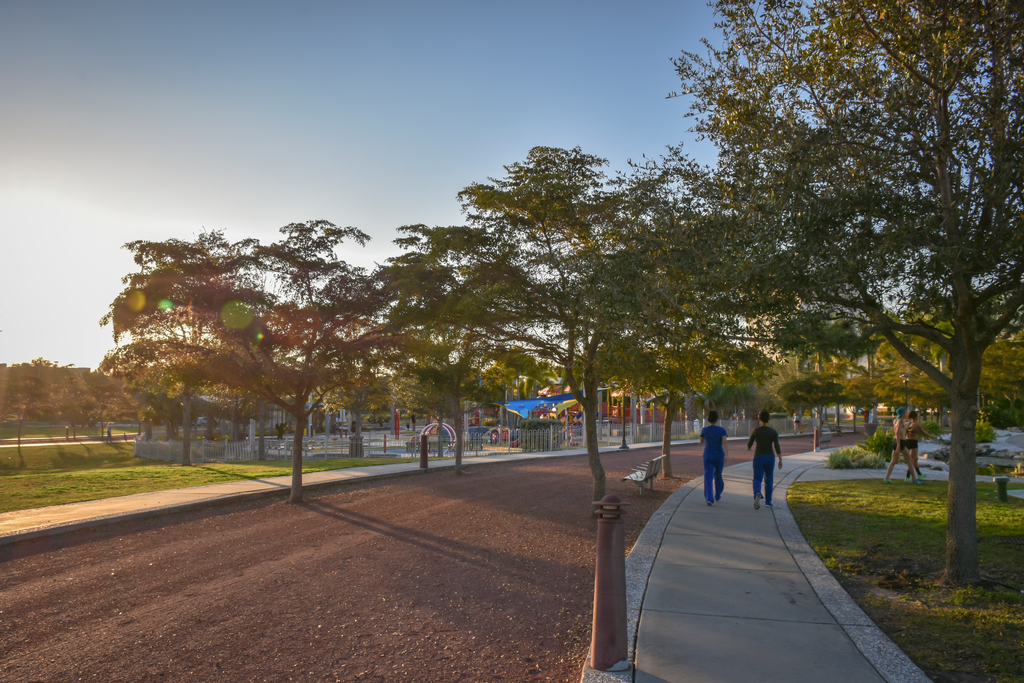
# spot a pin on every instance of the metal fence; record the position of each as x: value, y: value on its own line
x: 475, y: 442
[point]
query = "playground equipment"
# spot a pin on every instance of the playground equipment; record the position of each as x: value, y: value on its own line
x: 431, y: 430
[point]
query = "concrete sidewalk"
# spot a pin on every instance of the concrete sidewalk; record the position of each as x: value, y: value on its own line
x: 729, y: 593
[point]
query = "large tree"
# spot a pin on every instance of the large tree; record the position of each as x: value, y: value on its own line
x: 548, y: 230
x: 870, y: 158
x: 166, y: 319
x: 29, y: 393
x: 281, y: 320
x: 439, y: 303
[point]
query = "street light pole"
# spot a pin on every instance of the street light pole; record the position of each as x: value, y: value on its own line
x: 906, y: 390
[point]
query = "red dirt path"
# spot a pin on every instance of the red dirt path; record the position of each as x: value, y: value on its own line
x: 486, y: 577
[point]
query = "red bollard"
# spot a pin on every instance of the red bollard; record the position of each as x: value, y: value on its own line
x: 424, y: 450
x: 608, y: 649
x: 817, y: 434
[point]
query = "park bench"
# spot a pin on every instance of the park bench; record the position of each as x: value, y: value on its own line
x: 824, y: 438
x: 645, y: 473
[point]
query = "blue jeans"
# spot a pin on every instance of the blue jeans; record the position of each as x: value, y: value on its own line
x: 764, y: 468
x: 713, y: 472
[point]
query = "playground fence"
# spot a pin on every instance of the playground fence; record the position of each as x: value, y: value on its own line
x: 476, y: 442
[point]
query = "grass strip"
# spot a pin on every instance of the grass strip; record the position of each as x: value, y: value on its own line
x: 8, y: 431
x: 886, y: 546
x: 55, y: 475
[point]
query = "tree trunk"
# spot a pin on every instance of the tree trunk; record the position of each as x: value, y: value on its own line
x: 961, y: 501
x: 458, y: 434
x: 148, y: 427
x: 666, y: 442
x: 186, y: 429
x: 589, y: 403
x: 300, y: 416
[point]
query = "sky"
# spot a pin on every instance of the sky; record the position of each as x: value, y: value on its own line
x: 137, y: 120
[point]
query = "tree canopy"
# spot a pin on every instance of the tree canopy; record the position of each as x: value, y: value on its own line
x: 870, y: 162
x: 278, y: 321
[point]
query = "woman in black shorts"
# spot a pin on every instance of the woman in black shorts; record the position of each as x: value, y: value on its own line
x: 914, y: 432
x: 899, y: 430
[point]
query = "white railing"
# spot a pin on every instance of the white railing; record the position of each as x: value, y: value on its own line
x: 478, y: 442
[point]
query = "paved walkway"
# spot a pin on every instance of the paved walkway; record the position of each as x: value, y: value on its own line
x: 729, y: 593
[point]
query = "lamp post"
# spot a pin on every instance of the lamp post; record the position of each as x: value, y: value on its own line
x: 906, y: 390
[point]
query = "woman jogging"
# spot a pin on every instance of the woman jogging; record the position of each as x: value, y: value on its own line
x: 716, y: 454
x: 915, y: 432
x: 766, y: 439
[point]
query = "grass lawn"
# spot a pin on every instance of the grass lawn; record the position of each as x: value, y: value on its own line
x: 68, y: 473
x: 10, y: 431
x: 886, y: 545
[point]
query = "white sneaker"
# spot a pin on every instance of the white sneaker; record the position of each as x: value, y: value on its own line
x: 757, y: 501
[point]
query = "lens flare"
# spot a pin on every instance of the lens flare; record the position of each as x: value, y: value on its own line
x: 136, y: 301
x: 165, y: 304
x: 236, y: 315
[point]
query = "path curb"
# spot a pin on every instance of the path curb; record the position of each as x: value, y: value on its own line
x: 888, y: 659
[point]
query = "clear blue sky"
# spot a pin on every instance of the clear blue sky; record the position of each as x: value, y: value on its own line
x: 151, y: 120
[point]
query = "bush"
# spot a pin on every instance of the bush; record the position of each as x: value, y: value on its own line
x: 881, y: 442
x: 840, y: 459
x: 855, y: 457
x: 1002, y: 418
x: 932, y: 428
x: 540, y: 423
x: 871, y: 461
x: 983, y: 431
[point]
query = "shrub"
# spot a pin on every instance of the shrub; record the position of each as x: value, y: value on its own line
x: 880, y: 442
x: 840, y: 459
x: 855, y: 457
x: 932, y: 428
x: 983, y: 431
x: 1001, y: 417
x: 870, y: 461
x: 539, y: 423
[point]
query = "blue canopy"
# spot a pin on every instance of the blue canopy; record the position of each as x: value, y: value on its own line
x: 524, y: 407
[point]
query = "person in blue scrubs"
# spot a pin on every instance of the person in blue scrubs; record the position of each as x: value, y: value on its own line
x: 766, y: 439
x: 716, y: 454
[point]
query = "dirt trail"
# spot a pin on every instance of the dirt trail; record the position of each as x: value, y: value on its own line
x: 486, y: 577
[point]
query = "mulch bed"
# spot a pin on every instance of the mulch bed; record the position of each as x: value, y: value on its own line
x: 486, y: 577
